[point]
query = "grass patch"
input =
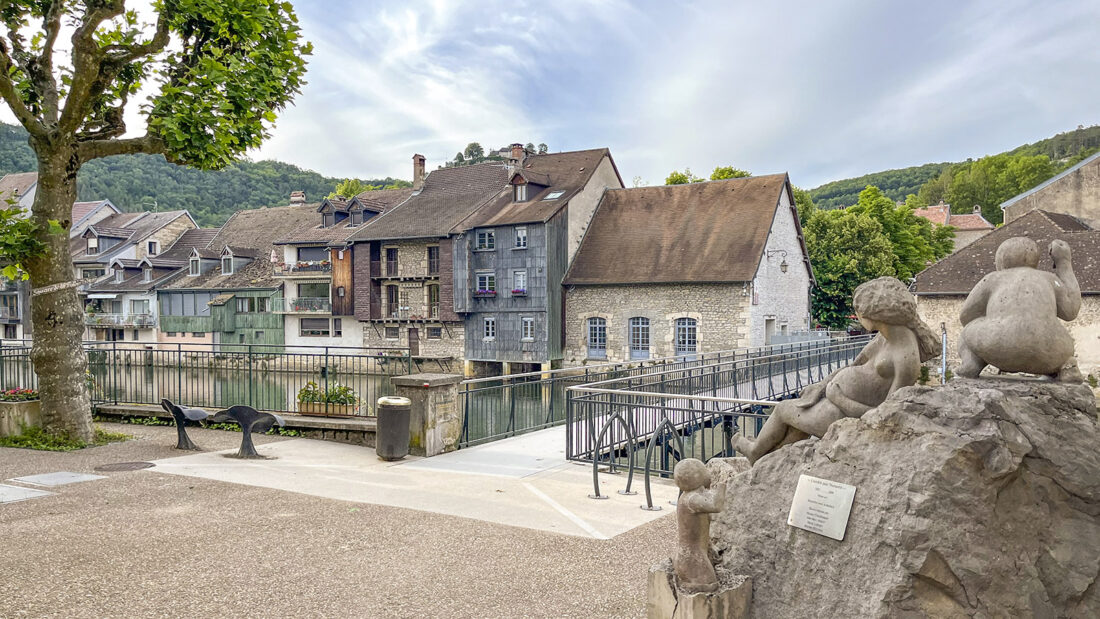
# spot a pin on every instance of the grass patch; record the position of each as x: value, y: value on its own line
x: 37, y: 438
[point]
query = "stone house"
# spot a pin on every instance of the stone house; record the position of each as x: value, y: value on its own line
x: 122, y: 306
x: 402, y: 263
x: 227, y: 294
x: 1074, y: 192
x: 315, y: 266
x: 511, y: 255
x: 969, y: 227
x: 686, y: 269
x: 942, y: 288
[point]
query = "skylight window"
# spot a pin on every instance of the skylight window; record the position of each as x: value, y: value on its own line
x: 554, y: 195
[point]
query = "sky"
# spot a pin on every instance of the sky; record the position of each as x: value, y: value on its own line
x: 822, y: 90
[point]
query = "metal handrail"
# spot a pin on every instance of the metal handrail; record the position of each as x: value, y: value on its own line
x: 674, y: 396
x: 742, y: 352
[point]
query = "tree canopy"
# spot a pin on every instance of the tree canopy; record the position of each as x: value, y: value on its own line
x: 720, y: 173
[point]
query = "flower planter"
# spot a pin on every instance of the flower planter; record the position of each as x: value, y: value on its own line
x: 322, y: 409
x: 15, y: 415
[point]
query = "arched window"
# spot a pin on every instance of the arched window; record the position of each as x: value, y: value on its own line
x: 639, y: 338
x: 597, y: 338
x: 686, y: 336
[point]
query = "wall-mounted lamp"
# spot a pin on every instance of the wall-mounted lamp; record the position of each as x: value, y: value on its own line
x: 783, y: 258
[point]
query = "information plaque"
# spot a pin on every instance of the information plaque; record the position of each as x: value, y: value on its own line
x: 821, y: 506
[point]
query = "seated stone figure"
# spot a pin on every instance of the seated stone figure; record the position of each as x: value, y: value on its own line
x: 888, y: 363
x: 1010, y: 319
x: 692, y: 563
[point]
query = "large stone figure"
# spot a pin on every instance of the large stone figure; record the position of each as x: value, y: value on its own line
x: 891, y: 361
x: 694, y: 569
x: 1010, y: 319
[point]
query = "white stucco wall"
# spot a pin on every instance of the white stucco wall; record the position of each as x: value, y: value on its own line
x: 351, y: 334
x: 781, y: 296
x: 584, y: 203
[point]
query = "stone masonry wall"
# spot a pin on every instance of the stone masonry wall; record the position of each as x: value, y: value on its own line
x: 1077, y: 194
x: 778, y: 296
x: 452, y: 344
x: 1085, y: 329
x: 166, y: 236
x: 721, y: 312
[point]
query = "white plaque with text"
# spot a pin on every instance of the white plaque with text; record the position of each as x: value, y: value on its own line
x: 821, y: 506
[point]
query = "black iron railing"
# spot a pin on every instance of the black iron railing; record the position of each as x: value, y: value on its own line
x: 504, y: 406
x: 348, y: 380
x: 647, y: 423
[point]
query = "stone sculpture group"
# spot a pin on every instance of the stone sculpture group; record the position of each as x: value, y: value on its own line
x: 1012, y: 322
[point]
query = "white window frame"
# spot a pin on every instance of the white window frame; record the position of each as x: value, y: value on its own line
x: 597, y: 334
x: 490, y: 282
x: 521, y: 238
x: 519, y: 194
x: 147, y: 274
x: 489, y: 329
x: 195, y: 268
x: 517, y: 275
x: 152, y: 248
x: 139, y: 306
x: 92, y: 245
x: 527, y: 329
x: 119, y: 275
x: 486, y: 240
x: 227, y: 260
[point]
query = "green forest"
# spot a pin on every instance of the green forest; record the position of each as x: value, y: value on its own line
x: 145, y: 182
x: 986, y: 182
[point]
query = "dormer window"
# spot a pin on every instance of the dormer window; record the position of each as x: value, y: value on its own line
x: 93, y: 245
x: 119, y: 274
x: 227, y: 264
x: 147, y: 274
x: 519, y: 193
x: 195, y: 269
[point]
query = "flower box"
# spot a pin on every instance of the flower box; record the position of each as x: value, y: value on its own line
x: 14, y: 416
x: 519, y: 292
x: 327, y: 409
x: 485, y: 293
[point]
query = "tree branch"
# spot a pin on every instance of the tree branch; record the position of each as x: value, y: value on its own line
x: 96, y: 148
x: 87, y: 60
x: 51, y: 23
x: 12, y: 96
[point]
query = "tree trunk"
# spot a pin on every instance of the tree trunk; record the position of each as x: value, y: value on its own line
x: 57, y: 317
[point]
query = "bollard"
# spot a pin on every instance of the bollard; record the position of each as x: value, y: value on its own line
x: 392, y: 438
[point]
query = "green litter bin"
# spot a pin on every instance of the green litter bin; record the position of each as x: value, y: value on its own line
x: 392, y: 439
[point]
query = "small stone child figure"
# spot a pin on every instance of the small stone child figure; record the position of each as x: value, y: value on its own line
x: 692, y: 563
x: 1011, y: 318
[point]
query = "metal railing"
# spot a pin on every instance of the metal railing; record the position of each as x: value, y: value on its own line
x: 108, y: 319
x: 503, y: 406
x: 690, y: 412
x: 264, y: 377
x: 304, y: 268
x: 302, y: 305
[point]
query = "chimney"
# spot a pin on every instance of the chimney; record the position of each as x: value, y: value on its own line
x: 297, y: 197
x: 418, y: 172
x: 518, y: 153
x: 977, y: 209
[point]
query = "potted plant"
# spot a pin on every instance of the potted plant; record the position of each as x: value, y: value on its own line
x: 19, y: 409
x: 482, y: 292
x: 338, y: 401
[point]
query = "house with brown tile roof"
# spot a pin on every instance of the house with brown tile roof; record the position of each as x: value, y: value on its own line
x: 18, y: 189
x: 1075, y: 192
x: 686, y: 269
x: 969, y: 227
x: 316, y: 268
x: 122, y: 306
x: 942, y: 288
x: 131, y: 236
x: 228, y: 294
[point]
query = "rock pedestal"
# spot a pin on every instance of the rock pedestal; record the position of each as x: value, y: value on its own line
x: 665, y: 601
x: 977, y: 498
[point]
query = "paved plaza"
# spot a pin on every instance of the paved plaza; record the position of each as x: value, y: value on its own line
x: 323, y: 530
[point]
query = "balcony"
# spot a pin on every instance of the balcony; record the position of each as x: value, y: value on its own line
x: 309, y: 268
x: 302, y: 305
x: 101, y: 319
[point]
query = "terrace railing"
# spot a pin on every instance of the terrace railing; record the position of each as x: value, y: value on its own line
x: 209, y: 376
x: 302, y: 305
x: 303, y: 268
x: 105, y: 319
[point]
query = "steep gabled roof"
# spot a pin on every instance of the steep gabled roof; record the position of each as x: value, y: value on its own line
x: 958, y: 273
x: 81, y: 210
x: 713, y: 231
x: 376, y: 201
x: 567, y: 172
x: 14, y: 186
x: 249, y: 232
x: 449, y: 195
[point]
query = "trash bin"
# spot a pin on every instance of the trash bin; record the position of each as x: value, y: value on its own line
x: 392, y: 434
